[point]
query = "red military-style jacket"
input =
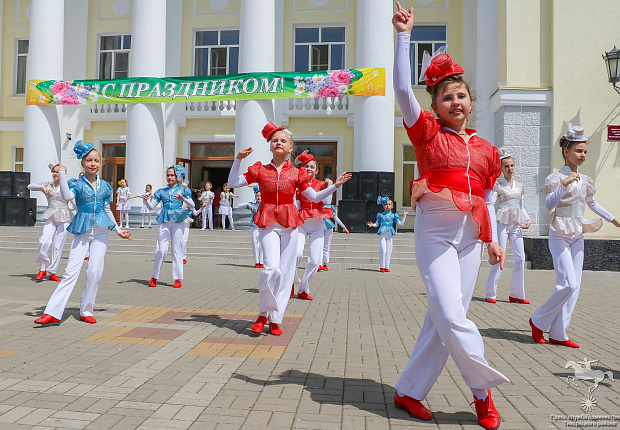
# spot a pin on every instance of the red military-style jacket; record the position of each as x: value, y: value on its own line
x: 277, y: 193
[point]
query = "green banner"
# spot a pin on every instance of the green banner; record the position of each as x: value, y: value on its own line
x: 245, y: 86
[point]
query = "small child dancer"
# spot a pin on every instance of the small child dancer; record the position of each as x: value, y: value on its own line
x: 328, y: 229
x: 90, y: 231
x: 568, y: 193
x: 206, y: 198
x: 385, y: 222
x: 147, y: 197
x: 225, y: 208
x: 122, y: 198
x: 257, y: 252
x: 511, y: 218
x: 57, y: 217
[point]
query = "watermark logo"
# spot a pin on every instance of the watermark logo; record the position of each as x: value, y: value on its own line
x: 583, y: 372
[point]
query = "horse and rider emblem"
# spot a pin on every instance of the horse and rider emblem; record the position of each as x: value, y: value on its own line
x: 584, y: 372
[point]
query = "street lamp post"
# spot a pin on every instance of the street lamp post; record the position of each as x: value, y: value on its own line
x: 612, y: 61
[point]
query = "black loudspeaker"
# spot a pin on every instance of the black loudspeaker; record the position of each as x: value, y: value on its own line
x: 372, y: 209
x: 20, y: 184
x: 2, y: 211
x: 352, y: 213
x: 20, y: 211
x: 386, y: 184
x: 369, y: 185
x: 6, y: 184
x: 351, y: 188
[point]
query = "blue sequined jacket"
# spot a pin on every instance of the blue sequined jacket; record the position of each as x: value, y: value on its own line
x: 90, y: 205
x: 171, y: 206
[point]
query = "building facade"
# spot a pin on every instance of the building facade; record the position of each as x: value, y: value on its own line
x: 530, y: 70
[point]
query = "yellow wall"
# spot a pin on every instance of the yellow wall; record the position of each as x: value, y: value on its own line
x: 8, y: 140
x: 583, y: 95
x: 107, y: 128
x: 12, y: 107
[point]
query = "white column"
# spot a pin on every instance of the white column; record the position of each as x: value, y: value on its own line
x: 144, y: 163
x: 256, y: 54
x: 45, y: 61
x: 374, y: 116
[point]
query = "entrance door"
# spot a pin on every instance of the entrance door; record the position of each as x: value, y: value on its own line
x: 114, y: 169
x: 325, y: 156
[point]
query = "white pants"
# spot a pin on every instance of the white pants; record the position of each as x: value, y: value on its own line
x: 279, y: 247
x: 256, y: 248
x: 327, y: 244
x: 97, y: 241
x: 170, y: 232
x: 207, y: 212
x: 312, y: 228
x: 448, y: 253
x: 54, y: 235
x: 555, y: 313
x: 517, y: 286
x: 185, y: 240
x: 385, y: 250
x: 147, y: 214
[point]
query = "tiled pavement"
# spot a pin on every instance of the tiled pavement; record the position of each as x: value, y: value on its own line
x: 186, y: 359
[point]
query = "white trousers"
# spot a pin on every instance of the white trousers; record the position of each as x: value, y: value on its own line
x: 279, y: 247
x: 170, y: 232
x: 257, y: 251
x: 517, y: 285
x: 555, y: 313
x: 230, y: 219
x: 97, y: 240
x: 448, y: 253
x: 207, y: 212
x: 185, y: 240
x: 327, y: 244
x: 313, y: 229
x: 147, y: 214
x: 385, y: 249
x: 54, y: 235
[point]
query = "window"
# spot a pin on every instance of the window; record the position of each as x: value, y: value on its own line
x: 216, y: 52
x: 410, y: 172
x: 324, y: 154
x: 319, y: 48
x: 425, y: 38
x: 18, y: 159
x: 21, y: 60
x: 114, y: 56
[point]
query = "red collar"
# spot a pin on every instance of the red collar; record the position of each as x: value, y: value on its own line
x: 285, y: 166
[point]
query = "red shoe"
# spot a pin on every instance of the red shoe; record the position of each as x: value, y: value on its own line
x: 46, y: 319
x: 325, y: 267
x: 275, y: 329
x: 514, y: 299
x: 153, y: 282
x: 382, y: 270
x: 491, y: 300
x: 87, y: 258
x: 320, y: 269
x: 262, y: 266
x: 413, y: 406
x: 488, y: 417
x: 89, y: 320
x: 259, y: 324
x: 293, y: 291
x: 177, y: 284
x: 184, y: 261
x: 40, y: 275
x: 568, y: 343
x: 257, y: 266
x: 53, y: 277
x: 537, y: 334
x: 304, y: 295
x: 386, y: 270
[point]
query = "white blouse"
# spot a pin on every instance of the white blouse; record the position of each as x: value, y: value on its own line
x: 510, y: 202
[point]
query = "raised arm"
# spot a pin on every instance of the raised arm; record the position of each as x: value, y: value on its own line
x: 409, y: 106
x: 65, y: 192
x: 234, y: 179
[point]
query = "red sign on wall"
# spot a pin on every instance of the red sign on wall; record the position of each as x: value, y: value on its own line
x: 613, y: 132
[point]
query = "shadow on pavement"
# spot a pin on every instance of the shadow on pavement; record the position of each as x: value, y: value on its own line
x: 515, y: 335
x: 239, y: 326
x: 365, y: 394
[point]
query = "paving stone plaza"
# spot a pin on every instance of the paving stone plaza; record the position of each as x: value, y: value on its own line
x: 167, y: 358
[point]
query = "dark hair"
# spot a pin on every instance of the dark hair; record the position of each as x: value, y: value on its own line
x: 149, y: 185
x: 456, y: 79
x: 567, y: 144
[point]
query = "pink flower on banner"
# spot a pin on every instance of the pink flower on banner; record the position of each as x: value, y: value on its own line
x: 330, y: 91
x: 69, y: 100
x: 341, y: 77
x: 60, y: 87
